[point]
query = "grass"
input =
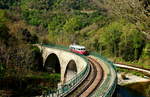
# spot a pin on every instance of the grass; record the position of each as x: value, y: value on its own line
x: 45, y: 76
x: 130, y: 71
x: 133, y: 63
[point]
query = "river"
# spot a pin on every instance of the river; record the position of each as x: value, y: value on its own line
x: 140, y: 89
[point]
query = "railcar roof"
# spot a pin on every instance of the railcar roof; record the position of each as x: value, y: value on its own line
x: 77, y: 46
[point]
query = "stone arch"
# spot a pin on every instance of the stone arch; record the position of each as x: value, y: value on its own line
x: 71, y: 70
x: 52, y: 64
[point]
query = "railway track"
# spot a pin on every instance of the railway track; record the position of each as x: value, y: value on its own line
x: 91, y: 82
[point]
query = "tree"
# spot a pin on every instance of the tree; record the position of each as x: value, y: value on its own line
x: 136, y: 11
x: 131, y: 43
x: 110, y: 37
x: 4, y: 35
x: 71, y: 26
x: 6, y: 4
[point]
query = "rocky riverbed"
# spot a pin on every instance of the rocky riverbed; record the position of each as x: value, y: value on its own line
x: 130, y: 78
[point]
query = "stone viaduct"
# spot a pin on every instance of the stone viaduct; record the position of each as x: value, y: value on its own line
x: 60, y: 61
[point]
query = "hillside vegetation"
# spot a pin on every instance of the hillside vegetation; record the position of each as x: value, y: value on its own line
x: 118, y: 29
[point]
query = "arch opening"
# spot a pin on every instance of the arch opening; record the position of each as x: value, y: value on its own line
x: 71, y: 70
x: 52, y: 64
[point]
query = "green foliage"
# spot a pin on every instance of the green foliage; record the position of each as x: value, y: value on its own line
x: 46, y: 76
x: 3, y: 16
x: 146, y: 51
x: 35, y: 4
x: 97, y: 17
x: 133, y: 42
x: 23, y: 22
x: 56, y: 24
x: 34, y: 11
x: 32, y: 17
x: 72, y: 24
x: 122, y: 39
x: 110, y: 37
x: 37, y: 65
x: 6, y: 4
x: 4, y: 32
x: 65, y: 21
x: 130, y: 71
x: 2, y: 70
x: 27, y: 37
x: 73, y: 4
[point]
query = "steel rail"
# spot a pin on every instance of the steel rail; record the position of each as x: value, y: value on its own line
x: 91, y: 82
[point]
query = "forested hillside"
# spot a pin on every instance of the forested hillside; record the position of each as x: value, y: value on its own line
x: 115, y: 28
x: 118, y: 29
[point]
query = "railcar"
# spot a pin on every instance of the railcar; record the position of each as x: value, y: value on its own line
x: 78, y: 49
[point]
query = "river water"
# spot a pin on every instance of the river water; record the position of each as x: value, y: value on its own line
x: 134, y: 86
x: 126, y: 92
x: 139, y: 89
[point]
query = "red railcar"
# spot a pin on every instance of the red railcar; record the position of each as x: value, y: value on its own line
x: 78, y: 49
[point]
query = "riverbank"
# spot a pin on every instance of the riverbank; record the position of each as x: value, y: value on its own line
x: 130, y: 78
x: 131, y: 85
